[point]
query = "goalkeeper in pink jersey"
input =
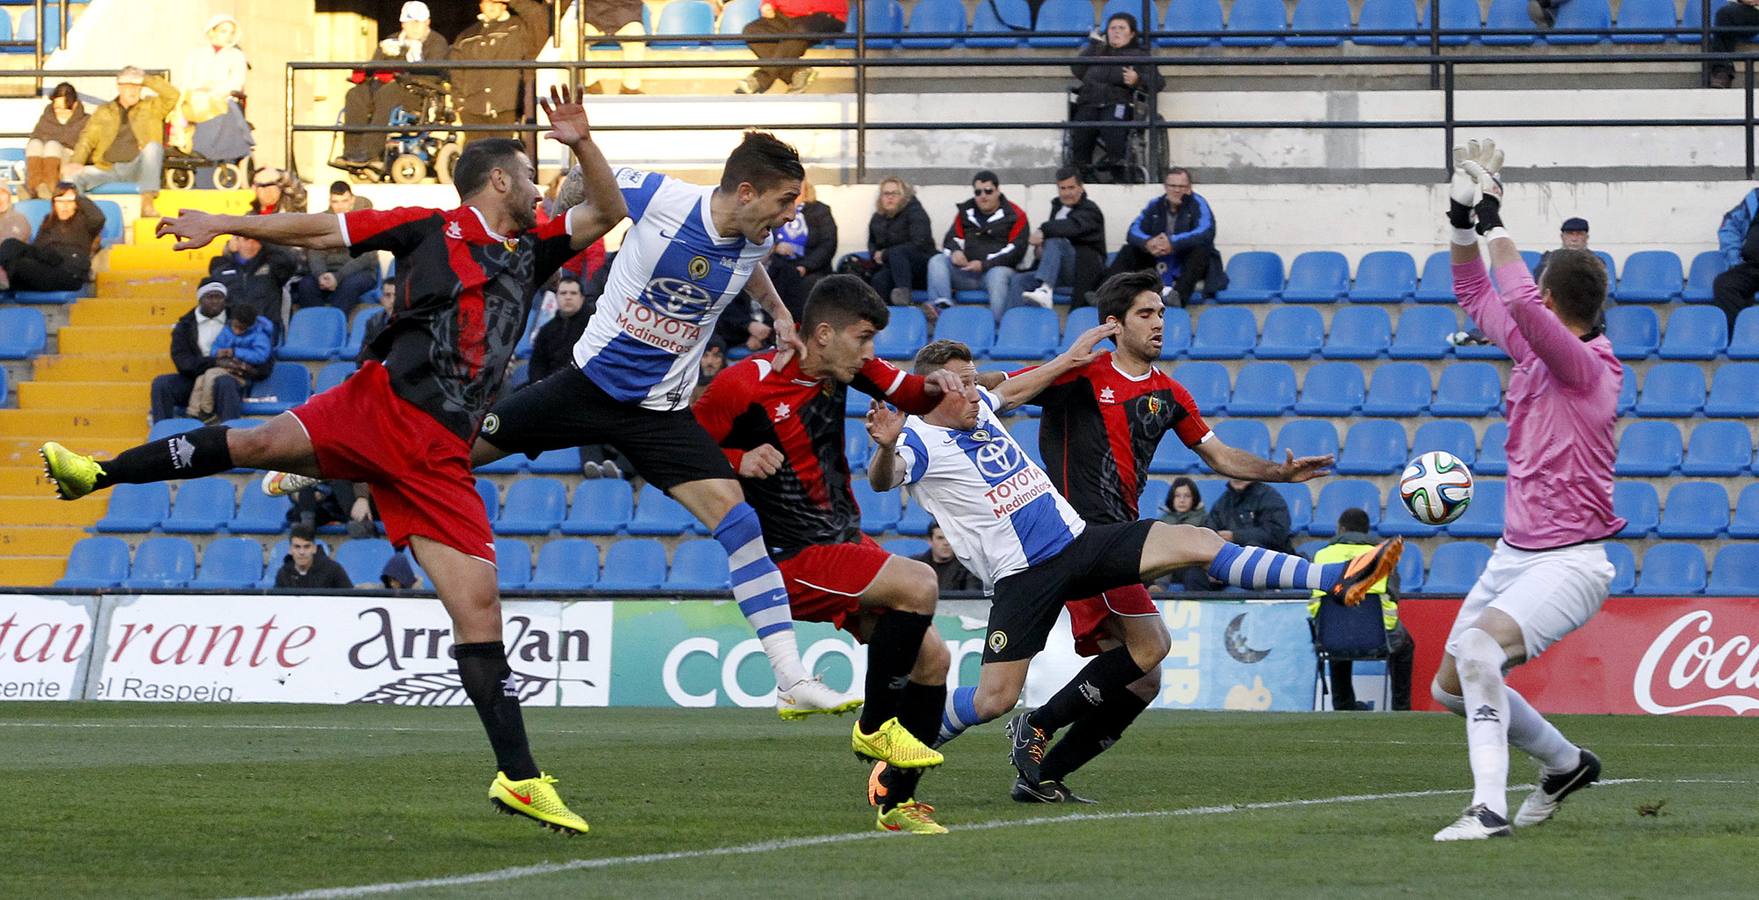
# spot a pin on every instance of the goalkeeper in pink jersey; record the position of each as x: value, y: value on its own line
x: 1549, y: 573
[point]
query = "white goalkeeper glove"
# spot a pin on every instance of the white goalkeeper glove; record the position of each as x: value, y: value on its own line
x: 1476, y: 186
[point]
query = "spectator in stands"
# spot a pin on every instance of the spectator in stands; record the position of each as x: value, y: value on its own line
x: 1572, y: 236
x: 1185, y: 507
x: 900, y: 240
x: 805, y: 249
x: 52, y: 140
x: 343, y: 199
x: 276, y: 191
x: 952, y: 574
x: 337, y: 277
x: 378, y: 317
x: 378, y: 91
x: 306, y: 565
x: 623, y: 18
x: 1250, y: 514
x: 714, y: 359
x: 213, y: 89
x: 1111, y: 93
x: 1070, y: 244
x: 125, y: 139
x: 242, y: 353
x: 1353, y: 540
x: 553, y: 348
x: 744, y: 324
x: 13, y: 224
x: 1174, y: 235
x: 983, y: 248
x: 492, y: 96
x: 399, y: 573
x: 192, y: 345
x: 59, y: 258
x: 1730, y: 24
x: 254, y: 273
x: 816, y: 18
x: 331, y: 502
x: 1733, y: 290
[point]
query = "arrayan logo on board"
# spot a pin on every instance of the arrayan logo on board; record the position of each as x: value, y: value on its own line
x: 1688, y: 667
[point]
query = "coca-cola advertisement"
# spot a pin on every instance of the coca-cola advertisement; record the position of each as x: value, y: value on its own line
x: 1659, y: 656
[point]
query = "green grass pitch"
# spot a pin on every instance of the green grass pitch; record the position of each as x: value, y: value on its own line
x: 140, y: 800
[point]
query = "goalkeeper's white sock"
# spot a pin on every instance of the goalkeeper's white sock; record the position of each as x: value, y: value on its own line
x: 1540, y: 739
x: 1480, y: 660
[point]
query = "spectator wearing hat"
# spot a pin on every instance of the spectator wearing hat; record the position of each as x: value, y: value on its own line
x: 59, y: 258
x: 307, y: 566
x: 378, y: 91
x: 1573, y: 235
x: 192, y: 343
x: 125, y: 139
x: 505, y: 30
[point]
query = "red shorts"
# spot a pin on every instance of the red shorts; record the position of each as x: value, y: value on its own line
x: 825, y: 581
x: 419, y: 471
x: 1087, y: 617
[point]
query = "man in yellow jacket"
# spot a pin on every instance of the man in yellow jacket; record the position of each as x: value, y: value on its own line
x: 125, y: 139
x: 1352, y: 541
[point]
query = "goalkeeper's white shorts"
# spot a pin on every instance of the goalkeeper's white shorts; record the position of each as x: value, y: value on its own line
x: 1549, y: 593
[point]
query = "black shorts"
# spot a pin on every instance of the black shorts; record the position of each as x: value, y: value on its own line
x: 568, y: 410
x: 1025, y: 604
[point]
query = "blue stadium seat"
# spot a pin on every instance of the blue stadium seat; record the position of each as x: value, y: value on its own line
x: 161, y: 562
x: 601, y: 506
x: 1624, y: 568
x: 23, y: 332
x: 1423, y: 333
x: 973, y: 326
x: 1290, y: 332
x: 1637, y: 15
x: 1026, y: 435
x: 1223, y: 333
x: 259, y: 513
x: 561, y: 461
x: 855, y: 403
x: 490, y: 496
x: 1027, y: 332
x: 905, y: 547
x: 1399, y: 389
x: 1242, y: 434
x: 1262, y: 389
x: 357, y: 334
x: 1672, y: 390
x: 533, y: 506
x: 1074, y: 16
x: 1385, y: 276
x: 879, y: 512
x: 1172, y: 457
x: 1735, y: 572
x: 1745, y: 523
x: 1207, y: 383
x: 933, y: 17
x: 1299, y: 500
x: 316, y: 332
x: 1254, y: 276
x: 903, y: 335
x: 698, y: 565
x: 1318, y: 15
x: 1612, y: 272
x: 231, y: 563
x: 1707, y: 265
x: 1153, y: 501
x: 1254, y: 15
x: 1411, y: 570
x: 1319, y: 276
x: 565, y: 565
x: 1332, y: 389
x: 1532, y: 258
x: 1455, y: 568
x: 1694, y: 509
x: 1399, y: 521
x: 734, y: 17
x: 1082, y: 318
x: 1210, y: 490
x: 1306, y: 438
x: 136, y: 507
x: 657, y: 513
x: 1692, y: 17
x: 203, y: 506
x: 1339, y: 495
x: 914, y: 521
x: 511, y: 464
x: 1437, y: 283
x: 637, y: 564
x: 1191, y: 23
x: 1581, y: 15
x: 512, y: 565
x: 287, y: 386
x: 95, y: 562
x: 1717, y: 449
x: 1649, y: 448
x: 364, y: 559
x: 1478, y: 351
x: 1744, y: 343
x: 1635, y: 331
x: 165, y: 428
x: 1467, y: 389
x: 1448, y: 436
x: 1492, y: 455
x: 1509, y: 15
x: 857, y: 446
x: 1671, y: 569
x: 1372, y: 448
x: 679, y: 17
x: 1483, y: 517
x: 331, y: 375
x: 1358, y: 332
x: 1638, y: 504
x: 1627, y: 390
x: 1694, y: 332
x: 1456, y: 16
x: 882, y: 17
x: 1651, y: 276
x: 1175, y: 335
x: 1002, y: 23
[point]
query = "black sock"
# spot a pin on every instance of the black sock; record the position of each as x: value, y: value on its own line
x: 1092, y: 735
x: 920, y: 714
x: 193, y: 454
x: 492, y: 687
x: 891, y: 654
x: 1108, y: 675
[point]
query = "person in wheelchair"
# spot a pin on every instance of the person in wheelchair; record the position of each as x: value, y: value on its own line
x: 1110, y: 92
x: 377, y: 92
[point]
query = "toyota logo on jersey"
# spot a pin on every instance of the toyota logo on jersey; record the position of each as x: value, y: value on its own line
x: 998, y: 459
x: 677, y: 299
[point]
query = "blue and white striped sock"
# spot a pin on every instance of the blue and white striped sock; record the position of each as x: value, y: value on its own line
x: 1256, y: 568
x: 757, y: 585
x: 960, y: 714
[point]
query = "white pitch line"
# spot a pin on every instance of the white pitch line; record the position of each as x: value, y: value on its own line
x: 508, y: 874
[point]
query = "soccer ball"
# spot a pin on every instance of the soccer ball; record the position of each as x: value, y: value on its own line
x: 1436, y: 488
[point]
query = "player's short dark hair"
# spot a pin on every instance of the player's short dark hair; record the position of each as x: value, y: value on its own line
x: 304, y: 532
x: 1115, y: 296
x: 1353, y: 519
x: 568, y: 279
x: 763, y: 161
x: 986, y: 175
x: 1179, y: 170
x: 481, y: 157
x: 242, y: 314
x: 842, y: 301
x: 936, y: 354
x: 338, y: 188
x: 1577, y: 281
x: 1068, y: 172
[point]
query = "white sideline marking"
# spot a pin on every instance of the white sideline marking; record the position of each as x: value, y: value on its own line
x: 508, y: 874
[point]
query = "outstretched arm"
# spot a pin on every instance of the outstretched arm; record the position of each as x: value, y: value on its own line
x: 601, y: 205
x: 1236, y: 463
x: 195, y: 229
x: 1023, y: 387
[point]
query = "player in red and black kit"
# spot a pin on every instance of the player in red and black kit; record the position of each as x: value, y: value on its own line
x: 782, y: 429
x: 404, y: 422
x: 1101, y: 425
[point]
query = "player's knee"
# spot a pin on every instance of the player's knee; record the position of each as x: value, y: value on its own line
x: 1480, y: 657
x: 1449, y: 700
x: 920, y: 591
x: 1148, y: 646
x: 1148, y: 686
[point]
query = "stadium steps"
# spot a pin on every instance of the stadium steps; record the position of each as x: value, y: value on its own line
x: 29, y: 571
x: 131, y: 396
x: 103, y: 367
x: 79, y: 340
x: 131, y: 311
